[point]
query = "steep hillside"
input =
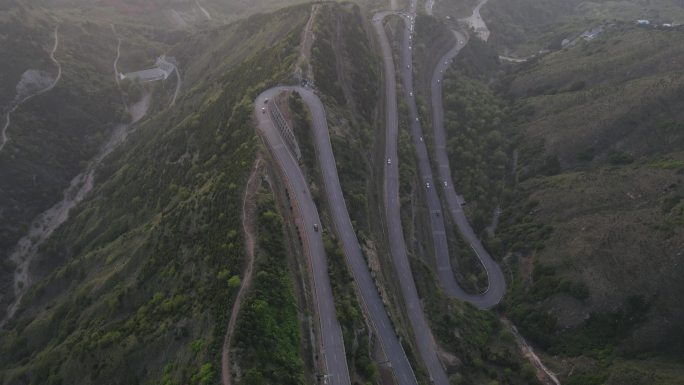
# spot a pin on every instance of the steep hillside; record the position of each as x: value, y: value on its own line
x: 25, y: 43
x: 591, y: 223
x: 346, y: 72
x: 581, y: 148
x: 602, y: 239
x: 140, y: 272
x: 619, y: 94
x: 52, y: 135
x: 176, y: 15
x: 523, y: 27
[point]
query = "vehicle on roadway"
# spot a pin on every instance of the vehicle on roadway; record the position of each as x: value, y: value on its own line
x: 266, y: 101
x: 421, y: 138
x: 315, y: 226
x: 445, y: 183
x: 263, y: 110
x: 389, y: 160
x: 427, y: 184
x: 411, y: 93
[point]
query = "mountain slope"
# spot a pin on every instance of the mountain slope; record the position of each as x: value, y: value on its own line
x: 139, y: 273
x: 592, y: 227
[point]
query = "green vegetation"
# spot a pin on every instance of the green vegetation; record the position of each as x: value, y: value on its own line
x: 268, y: 334
x: 143, y: 267
x: 346, y: 73
x: 456, y: 9
x: 580, y: 147
x: 301, y: 126
x: 53, y: 135
x: 465, y: 263
x: 345, y: 66
x: 596, y: 133
x: 325, y: 60
x: 355, y: 332
x: 472, y: 113
x: 478, y: 349
x: 349, y: 313
x: 523, y: 27
x: 476, y: 124
x: 628, y: 107
x: 591, y: 184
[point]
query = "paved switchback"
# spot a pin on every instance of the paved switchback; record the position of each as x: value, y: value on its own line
x: 497, y: 283
x: 426, y: 343
x: 330, y: 332
x: 370, y: 297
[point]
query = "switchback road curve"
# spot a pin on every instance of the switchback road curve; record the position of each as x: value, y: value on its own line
x: 370, y: 297
x: 330, y: 332
x: 497, y: 283
x: 424, y: 338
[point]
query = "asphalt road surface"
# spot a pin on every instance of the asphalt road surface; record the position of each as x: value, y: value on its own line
x: 497, y: 283
x: 426, y: 343
x: 332, y: 344
x: 370, y: 297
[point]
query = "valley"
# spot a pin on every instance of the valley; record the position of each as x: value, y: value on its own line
x: 371, y: 192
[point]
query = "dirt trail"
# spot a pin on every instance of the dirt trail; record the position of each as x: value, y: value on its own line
x: 3, y: 132
x: 248, y: 223
x: 47, y: 222
x: 179, y: 83
x: 305, y: 47
x: 117, y: 79
x: 544, y: 375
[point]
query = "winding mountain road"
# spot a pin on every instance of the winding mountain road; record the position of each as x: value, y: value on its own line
x: 426, y: 344
x: 497, y: 283
x: 370, y: 297
x: 497, y: 286
x: 3, y: 132
x: 330, y: 332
